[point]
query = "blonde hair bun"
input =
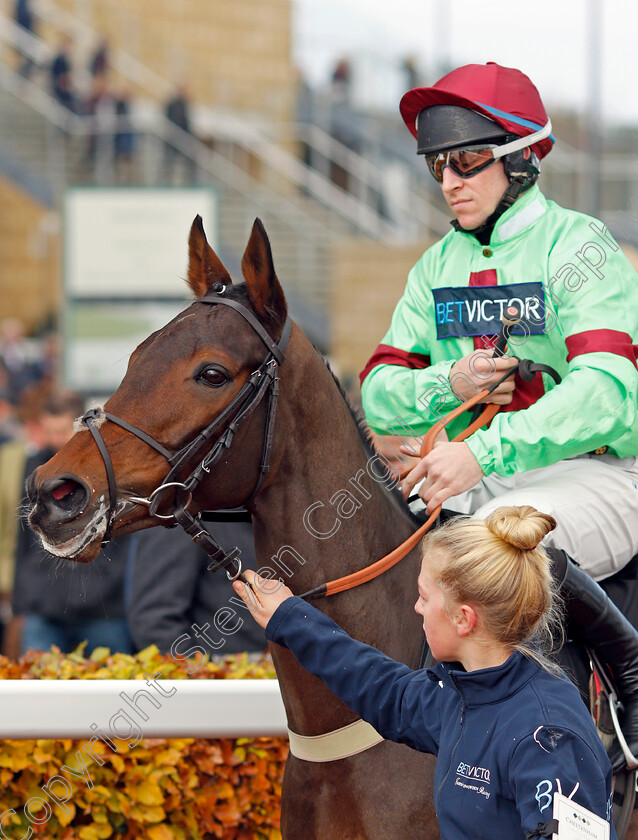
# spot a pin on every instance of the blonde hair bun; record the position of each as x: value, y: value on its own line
x: 521, y: 527
x: 497, y: 565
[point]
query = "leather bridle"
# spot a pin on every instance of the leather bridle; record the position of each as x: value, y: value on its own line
x: 261, y: 381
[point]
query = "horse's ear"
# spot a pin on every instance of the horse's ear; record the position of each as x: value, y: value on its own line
x: 265, y: 293
x: 204, y: 266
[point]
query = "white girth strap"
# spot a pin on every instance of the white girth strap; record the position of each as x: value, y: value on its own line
x: 331, y: 746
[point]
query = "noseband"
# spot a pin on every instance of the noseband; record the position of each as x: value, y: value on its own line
x: 261, y: 381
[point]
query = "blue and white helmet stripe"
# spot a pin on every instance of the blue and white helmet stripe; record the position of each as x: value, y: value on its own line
x: 540, y: 133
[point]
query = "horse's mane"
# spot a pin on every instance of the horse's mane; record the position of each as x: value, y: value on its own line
x: 366, y: 439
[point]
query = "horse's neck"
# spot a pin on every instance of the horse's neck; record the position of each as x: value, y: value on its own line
x: 326, y: 512
x: 328, y: 502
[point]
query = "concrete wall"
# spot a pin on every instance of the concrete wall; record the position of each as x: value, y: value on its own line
x: 29, y: 258
x: 368, y: 280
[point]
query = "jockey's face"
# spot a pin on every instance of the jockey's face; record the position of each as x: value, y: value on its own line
x: 473, y: 200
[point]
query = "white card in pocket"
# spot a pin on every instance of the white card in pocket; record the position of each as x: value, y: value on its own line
x: 576, y: 822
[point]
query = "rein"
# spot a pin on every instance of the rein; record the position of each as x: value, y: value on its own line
x: 261, y: 381
x: 380, y: 566
x: 527, y: 370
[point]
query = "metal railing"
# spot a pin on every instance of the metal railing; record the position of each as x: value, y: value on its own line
x: 123, y: 62
x: 167, y: 708
x: 358, y: 208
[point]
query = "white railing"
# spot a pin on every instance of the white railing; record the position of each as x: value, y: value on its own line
x: 154, y: 126
x: 364, y: 174
x: 33, y: 709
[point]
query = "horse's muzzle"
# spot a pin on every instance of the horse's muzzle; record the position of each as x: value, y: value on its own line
x: 59, y: 499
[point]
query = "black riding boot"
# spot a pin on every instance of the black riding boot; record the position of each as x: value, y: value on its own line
x: 598, y: 623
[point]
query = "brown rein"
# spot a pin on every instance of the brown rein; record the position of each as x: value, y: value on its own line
x: 380, y: 566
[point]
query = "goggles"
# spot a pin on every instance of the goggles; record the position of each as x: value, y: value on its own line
x: 464, y: 162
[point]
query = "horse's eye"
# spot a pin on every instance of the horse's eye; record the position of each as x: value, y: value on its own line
x: 212, y: 376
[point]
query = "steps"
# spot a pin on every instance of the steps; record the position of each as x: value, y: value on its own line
x: 50, y: 159
x: 304, y: 212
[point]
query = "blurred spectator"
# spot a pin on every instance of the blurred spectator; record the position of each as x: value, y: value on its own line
x: 61, y: 602
x: 343, y: 125
x: 96, y: 106
x: 62, y: 87
x: 9, y: 425
x: 20, y: 369
x: 411, y: 73
x: 13, y: 458
x: 341, y: 81
x: 98, y: 98
x: 23, y: 16
x: 175, y: 603
x: 50, y: 358
x: 177, y: 111
x: 124, y: 139
x: 100, y: 63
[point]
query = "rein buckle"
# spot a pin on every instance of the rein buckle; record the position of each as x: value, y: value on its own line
x: 224, y: 561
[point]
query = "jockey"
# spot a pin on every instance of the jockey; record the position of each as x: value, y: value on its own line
x: 568, y: 448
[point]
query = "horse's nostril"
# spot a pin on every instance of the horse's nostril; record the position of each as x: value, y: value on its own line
x: 67, y: 495
x: 64, y: 490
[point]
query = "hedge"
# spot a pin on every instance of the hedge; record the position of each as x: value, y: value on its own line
x: 161, y: 789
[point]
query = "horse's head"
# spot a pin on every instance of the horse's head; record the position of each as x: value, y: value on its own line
x: 177, y: 382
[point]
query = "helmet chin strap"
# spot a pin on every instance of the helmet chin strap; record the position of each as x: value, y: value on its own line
x: 518, y: 184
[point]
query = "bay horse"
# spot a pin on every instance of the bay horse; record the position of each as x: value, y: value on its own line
x: 326, y: 507
x: 323, y: 505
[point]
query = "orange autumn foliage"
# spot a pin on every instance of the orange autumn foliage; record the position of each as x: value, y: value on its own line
x: 186, y: 789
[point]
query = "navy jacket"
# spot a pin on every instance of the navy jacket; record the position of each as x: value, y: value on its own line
x: 506, y: 738
x: 172, y: 594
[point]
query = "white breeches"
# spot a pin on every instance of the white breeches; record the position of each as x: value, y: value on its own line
x: 594, y: 499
